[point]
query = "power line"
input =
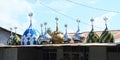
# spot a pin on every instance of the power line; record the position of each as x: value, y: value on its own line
x: 66, y: 15
x: 100, y: 9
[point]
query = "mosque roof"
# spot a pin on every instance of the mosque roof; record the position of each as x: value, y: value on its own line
x: 30, y: 35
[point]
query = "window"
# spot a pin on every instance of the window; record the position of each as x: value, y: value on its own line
x: 49, y: 54
x: 75, y: 53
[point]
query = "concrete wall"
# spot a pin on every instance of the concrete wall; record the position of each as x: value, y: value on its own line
x: 8, y: 53
x: 1, y: 54
x: 97, y: 53
x: 30, y: 54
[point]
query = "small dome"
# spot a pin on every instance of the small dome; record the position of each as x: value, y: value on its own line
x: 106, y: 37
x: 78, y: 37
x: 13, y: 39
x: 57, y: 37
x: 30, y: 36
x: 66, y: 38
x: 92, y: 37
x: 9, y: 42
x: 44, y: 39
x: 16, y: 40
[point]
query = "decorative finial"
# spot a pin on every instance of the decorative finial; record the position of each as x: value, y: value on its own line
x: 92, y: 20
x: 15, y: 29
x: 56, y: 19
x: 66, y: 27
x: 56, y: 23
x: 30, y: 15
x: 78, y: 21
x: 105, y: 18
x: 45, y: 26
x: 41, y: 25
x: 11, y: 30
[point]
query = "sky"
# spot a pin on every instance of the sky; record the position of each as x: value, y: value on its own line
x: 14, y: 13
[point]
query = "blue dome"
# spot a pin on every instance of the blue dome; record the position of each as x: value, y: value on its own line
x: 44, y: 38
x: 66, y: 37
x: 30, y: 36
x: 78, y: 36
x: 10, y: 39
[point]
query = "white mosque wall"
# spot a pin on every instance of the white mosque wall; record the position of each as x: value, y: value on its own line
x: 4, y: 35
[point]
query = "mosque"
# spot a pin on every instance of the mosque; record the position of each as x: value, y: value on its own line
x: 93, y: 45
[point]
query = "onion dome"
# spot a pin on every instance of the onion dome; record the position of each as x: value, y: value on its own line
x: 30, y: 36
x: 92, y: 36
x: 14, y: 40
x: 44, y: 38
x: 57, y: 37
x: 106, y: 36
x: 77, y: 36
x: 66, y: 38
x: 10, y: 38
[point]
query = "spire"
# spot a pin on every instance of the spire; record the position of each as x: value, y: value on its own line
x: 56, y: 23
x: 66, y: 28
x: 45, y: 27
x: 30, y: 15
x: 92, y: 20
x: 41, y: 25
x: 15, y: 29
x: 11, y: 31
x: 78, y: 21
x: 105, y: 19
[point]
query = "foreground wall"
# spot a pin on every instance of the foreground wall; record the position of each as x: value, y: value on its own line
x: 97, y: 53
x: 8, y: 53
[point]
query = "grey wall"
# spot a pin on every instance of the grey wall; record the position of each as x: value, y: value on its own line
x: 8, y: 53
x: 97, y: 53
x: 30, y: 54
x: 4, y: 35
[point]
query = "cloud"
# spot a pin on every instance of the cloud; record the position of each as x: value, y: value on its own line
x: 100, y: 23
x: 10, y: 10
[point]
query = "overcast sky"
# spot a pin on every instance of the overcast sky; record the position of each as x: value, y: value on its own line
x: 15, y: 13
